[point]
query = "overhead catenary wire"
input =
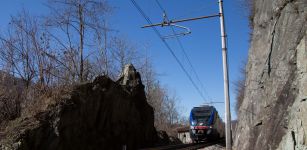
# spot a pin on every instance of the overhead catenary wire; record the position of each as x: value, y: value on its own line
x: 184, y: 51
x: 201, y: 8
x: 168, y: 47
x: 228, y: 136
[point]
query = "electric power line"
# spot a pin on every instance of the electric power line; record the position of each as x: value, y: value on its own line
x: 167, y: 46
x: 183, y: 50
x: 201, y: 8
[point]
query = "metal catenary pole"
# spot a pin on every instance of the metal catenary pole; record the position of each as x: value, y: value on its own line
x: 226, y: 81
x: 225, y: 66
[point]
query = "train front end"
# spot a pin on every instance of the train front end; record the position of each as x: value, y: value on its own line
x: 201, y: 123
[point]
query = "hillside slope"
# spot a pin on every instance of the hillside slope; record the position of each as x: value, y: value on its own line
x: 102, y: 114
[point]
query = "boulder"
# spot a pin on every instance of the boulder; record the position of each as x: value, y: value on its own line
x: 102, y: 114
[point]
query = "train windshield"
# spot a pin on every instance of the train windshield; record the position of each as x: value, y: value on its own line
x: 201, y: 115
x: 202, y: 119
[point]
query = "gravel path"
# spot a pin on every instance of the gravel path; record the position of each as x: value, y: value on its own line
x: 214, y: 147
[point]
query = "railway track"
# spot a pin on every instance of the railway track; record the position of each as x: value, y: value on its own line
x: 191, y: 146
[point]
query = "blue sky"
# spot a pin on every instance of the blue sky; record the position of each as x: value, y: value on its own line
x: 203, y: 45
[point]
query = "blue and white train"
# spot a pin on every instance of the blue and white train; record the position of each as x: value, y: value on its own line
x: 205, y: 124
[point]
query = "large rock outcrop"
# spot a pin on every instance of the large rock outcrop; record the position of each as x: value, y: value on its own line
x: 102, y: 114
x: 273, y: 112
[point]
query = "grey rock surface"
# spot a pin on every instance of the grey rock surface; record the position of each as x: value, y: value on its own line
x: 129, y: 76
x: 273, y: 112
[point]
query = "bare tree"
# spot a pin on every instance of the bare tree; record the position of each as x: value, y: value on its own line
x: 166, y: 109
x: 63, y: 49
x: 23, y: 50
x: 166, y: 105
x: 156, y: 98
x: 26, y: 64
x: 83, y: 19
x: 171, y: 110
x: 240, y: 87
x: 122, y: 53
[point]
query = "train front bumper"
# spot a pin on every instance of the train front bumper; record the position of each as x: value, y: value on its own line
x: 200, y: 133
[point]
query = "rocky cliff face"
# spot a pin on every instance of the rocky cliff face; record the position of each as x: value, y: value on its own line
x: 273, y: 112
x: 102, y: 114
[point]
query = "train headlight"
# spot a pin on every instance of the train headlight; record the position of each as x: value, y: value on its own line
x: 193, y: 131
x: 193, y: 122
x: 209, y: 131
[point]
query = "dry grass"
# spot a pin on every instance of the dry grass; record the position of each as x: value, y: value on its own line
x: 9, y: 103
x: 40, y: 101
x: 250, y: 7
x: 22, y: 102
x: 240, y: 87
